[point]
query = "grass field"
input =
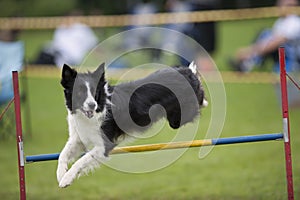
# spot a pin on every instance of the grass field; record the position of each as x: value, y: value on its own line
x: 241, y: 171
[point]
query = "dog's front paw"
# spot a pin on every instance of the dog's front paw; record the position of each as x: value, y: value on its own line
x: 61, y: 171
x: 67, y: 179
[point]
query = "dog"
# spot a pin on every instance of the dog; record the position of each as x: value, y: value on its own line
x: 100, y: 116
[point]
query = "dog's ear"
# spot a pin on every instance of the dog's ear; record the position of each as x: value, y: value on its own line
x: 99, y: 72
x: 68, y: 74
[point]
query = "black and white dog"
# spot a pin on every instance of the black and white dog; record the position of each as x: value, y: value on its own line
x: 100, y: 116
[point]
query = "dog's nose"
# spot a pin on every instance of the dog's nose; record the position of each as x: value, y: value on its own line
x: 92, y: 105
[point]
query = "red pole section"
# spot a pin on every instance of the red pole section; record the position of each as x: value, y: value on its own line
x: 19, y: 136
x: 286, y: 125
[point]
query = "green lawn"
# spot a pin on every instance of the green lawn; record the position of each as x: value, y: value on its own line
x: 241, y: 171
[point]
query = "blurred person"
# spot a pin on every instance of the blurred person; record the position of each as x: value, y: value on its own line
x: 140, y: 37
x: 11, y: 59
x: 285, y: 32
x: 71, y: 42
x: 173, y: 6
x: 202, y: 32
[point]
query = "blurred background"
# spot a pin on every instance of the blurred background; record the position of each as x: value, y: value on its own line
x: 209, y: 35
x: 37, y: 8
x: 240, y: 38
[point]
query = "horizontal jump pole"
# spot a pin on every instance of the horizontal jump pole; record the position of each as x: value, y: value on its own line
x: 172, y: 145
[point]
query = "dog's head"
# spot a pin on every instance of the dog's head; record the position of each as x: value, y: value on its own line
x: 84, y: 92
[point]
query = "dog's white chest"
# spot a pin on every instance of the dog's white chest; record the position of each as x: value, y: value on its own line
x: 88, y: 130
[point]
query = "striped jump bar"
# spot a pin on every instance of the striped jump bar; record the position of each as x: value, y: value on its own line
x: 172, y: 145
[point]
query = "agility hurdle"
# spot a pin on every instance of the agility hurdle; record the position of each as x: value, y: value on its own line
x: 284, y: 136
x: 173, y: 145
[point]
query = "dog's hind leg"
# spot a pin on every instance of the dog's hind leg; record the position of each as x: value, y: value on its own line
x: 85, y: 164
x: 72, y: 151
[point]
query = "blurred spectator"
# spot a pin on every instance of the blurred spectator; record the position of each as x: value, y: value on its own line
x: 172, y: 41
x: 71, y: 42
x: 285, y: 32
x: 140, y: 37
x: 204, y: 33
x: 11, y: 59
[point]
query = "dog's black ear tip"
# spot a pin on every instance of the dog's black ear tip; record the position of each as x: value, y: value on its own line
x: 101, y: 67
x: 66, y: 68
x: 68, y: 72
x: 100, y: 71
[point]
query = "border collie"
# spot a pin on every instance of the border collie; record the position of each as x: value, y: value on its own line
x: 100, y: 116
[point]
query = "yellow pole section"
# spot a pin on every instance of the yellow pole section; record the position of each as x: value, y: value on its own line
x: 162, y: 146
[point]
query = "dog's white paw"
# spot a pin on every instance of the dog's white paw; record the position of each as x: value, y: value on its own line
x: 67, y: 179
x: 61, y: 171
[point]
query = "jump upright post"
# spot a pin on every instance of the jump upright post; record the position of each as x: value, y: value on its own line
x: 19, y: 136
x: 286, y: 125
x: 285, y: 135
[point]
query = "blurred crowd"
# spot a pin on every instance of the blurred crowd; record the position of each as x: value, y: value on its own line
x: 72, y: 40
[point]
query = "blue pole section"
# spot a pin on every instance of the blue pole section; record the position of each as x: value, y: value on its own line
x: 220, y: 141
x: 244, y: 139
x: 42, y: 157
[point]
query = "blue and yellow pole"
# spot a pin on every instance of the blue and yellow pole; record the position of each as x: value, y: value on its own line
x: 172, y: 145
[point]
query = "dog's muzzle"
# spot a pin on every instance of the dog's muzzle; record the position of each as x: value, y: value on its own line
x: 89, y: 112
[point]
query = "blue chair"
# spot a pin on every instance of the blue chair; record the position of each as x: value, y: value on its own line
x: 11, y: 58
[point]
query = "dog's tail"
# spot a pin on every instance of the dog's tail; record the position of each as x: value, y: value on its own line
x: 193, y: 67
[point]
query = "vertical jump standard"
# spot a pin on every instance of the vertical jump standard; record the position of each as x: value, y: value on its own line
x: 284, y: 136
